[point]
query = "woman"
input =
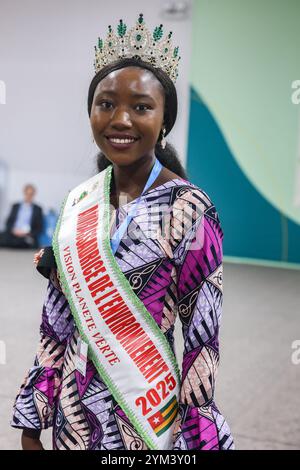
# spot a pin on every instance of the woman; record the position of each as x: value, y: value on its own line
x: 105, y: 375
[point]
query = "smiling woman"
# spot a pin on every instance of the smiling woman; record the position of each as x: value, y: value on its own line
x: 106, y: 374
x: 127, y: 114
x: 143, y: 102
x: 132, y: 107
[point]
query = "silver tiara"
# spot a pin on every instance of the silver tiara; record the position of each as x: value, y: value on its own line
x: 139, y: 43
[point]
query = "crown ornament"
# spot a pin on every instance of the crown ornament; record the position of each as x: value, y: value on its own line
x: 138, y: 43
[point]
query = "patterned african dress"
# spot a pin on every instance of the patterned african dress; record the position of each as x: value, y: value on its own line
x: 172, y: 275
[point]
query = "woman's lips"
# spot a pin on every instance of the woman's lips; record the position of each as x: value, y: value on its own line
x: 120, y: 145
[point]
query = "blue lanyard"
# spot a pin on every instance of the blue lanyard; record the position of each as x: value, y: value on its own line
x: 117, y: 237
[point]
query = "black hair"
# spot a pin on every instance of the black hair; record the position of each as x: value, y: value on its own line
x: 167, y: 156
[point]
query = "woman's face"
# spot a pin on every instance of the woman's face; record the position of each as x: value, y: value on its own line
x: 128, y: 105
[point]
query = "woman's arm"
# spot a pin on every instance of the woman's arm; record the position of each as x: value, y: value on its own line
x: 35, y: 405
x: 198, y: 255
x: 31, y: 439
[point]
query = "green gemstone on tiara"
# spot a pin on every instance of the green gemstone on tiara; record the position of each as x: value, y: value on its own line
x: 138, y: 37
x: 157, y: 33
x: 141, y: 19
x: 121, y: 29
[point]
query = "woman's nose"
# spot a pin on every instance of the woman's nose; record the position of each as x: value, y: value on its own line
x: 121, y: 118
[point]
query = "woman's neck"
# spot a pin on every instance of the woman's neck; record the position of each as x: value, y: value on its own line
x: 131, y: 179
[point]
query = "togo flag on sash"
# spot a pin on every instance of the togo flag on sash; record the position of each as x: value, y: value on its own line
x: 165, y: 417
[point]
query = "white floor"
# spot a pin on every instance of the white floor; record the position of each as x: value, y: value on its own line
x: 258, y: 386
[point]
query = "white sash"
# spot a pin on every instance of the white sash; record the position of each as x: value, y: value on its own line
x: 126, y: 345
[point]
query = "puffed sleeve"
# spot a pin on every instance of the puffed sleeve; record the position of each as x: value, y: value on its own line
x: 197, y: 248
x: 35, y: 404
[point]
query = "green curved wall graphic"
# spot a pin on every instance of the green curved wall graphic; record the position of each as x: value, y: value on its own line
x: 253, y: 228
x: 244, y: 134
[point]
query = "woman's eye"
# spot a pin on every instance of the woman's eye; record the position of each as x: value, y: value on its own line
x: 143, y: 106
x: 105, y: 104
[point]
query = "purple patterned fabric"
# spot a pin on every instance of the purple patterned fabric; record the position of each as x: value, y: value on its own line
x: 175, y: 271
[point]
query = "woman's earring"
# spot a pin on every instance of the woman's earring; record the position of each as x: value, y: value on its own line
x: 163, y: 140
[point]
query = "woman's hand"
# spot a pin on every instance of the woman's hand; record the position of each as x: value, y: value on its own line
x: 31, y: 440
x: 38, y: 256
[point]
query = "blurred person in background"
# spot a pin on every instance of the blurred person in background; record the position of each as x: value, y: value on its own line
x: 24, y: 223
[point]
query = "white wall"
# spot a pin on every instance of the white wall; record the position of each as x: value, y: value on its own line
x: 46, y: 63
